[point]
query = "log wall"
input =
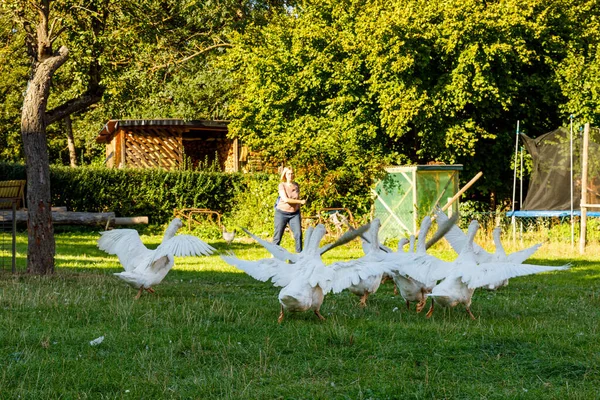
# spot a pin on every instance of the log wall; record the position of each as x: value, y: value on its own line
x: 154, y: 147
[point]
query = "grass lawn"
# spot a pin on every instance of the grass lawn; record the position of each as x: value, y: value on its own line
x: 211, y: 332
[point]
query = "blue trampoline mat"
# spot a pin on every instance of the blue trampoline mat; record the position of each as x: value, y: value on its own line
x: 550, y: 213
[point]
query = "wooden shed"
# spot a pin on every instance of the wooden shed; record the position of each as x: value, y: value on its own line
x: 168, y: 143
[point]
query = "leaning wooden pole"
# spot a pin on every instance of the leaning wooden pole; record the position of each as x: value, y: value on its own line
x: 584, y: 178
x: 461, y: 191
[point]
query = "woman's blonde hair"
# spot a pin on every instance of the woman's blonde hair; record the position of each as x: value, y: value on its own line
x: 284, y: 171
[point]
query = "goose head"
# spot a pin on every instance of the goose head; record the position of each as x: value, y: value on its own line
x: 497, y: 243
x: 423, y: 230
x: 401, y: 243
x: 172, y: 229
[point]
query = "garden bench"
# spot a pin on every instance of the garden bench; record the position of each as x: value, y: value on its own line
x: 12, y: 192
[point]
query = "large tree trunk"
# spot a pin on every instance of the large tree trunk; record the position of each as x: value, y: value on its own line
x: 41, y: 246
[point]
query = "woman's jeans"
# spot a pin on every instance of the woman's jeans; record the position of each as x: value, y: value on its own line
x: 282, y: 219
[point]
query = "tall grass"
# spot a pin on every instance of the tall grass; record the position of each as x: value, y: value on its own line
x: 211, y: 331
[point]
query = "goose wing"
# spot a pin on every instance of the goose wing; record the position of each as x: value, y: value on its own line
x: 484, y: 274
x: 126, y: 245
x: 347, y: 237
x: 279, y: 272
x: 458, y: 239
x: 162, y: 263
x: 341, y: 275
x: 426, y: 268
x: 277, y: 251
x: 185, y: 245
x: 519, y: 257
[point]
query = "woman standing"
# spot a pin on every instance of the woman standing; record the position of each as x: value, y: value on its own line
x: 287, y: 210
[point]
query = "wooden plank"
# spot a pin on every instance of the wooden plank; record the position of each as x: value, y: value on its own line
x: 67, y: 218
x: 130, y: 220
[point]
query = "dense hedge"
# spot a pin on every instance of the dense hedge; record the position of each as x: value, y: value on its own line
x: 244, y: 199
x: 133, y: 192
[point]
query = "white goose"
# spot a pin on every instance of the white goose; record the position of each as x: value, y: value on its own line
x: 466, y: 275
x: 145, y: 268
x: 305, y: 280
x: 416, y: 279
x: 390, y: 276
x: 457, y: 239
x: 390, y: 261
x: 374, y: 253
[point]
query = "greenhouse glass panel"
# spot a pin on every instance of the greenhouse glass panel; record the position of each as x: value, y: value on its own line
x: 408, y: 193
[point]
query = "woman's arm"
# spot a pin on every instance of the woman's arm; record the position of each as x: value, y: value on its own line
x: 294, y: 201
x: 283, y: 197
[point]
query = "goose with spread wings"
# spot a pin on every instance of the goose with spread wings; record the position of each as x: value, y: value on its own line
x: 374, y: 253
x: 303, y: 276
x: 145, y: 268
x: 458, y: 239
x: 466, y: 275
x: 415, y: 272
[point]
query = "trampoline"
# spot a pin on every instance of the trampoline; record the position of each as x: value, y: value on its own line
x: 562, y: 184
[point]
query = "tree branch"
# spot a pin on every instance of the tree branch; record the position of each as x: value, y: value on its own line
x: 74, y: 105
x: 196, y: 54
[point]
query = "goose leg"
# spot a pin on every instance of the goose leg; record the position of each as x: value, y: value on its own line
x: 470, y: 314
x: 407, y: 305
x: 150, y: 290
x: 318, y: 314
x: 430, y: 312
x: 280, y: 315
x: 139, y: 293
x: 387, y: 278
x: 363, y: 299
x: 421, y: 304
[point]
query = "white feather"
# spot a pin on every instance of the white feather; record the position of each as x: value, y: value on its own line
x: 145, y: 267
x: 467, y: 275
x: 306, y: 280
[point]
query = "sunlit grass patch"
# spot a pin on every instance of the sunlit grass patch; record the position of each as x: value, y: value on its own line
x: 211, y: 331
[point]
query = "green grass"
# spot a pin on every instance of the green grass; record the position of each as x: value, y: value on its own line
x: 211, y: 332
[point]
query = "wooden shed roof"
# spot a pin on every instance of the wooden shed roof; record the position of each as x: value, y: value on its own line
x: 114, y: 125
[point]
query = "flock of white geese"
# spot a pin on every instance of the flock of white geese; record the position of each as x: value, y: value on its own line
x: 305, y: 279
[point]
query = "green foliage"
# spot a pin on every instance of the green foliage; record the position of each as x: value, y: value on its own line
x: 254, y: 205
x: 156, y: 60
x: 133, y: 192
x: 14, y: 69
x: 130, y: 192
x: 337, y: 89
x: 244, y: 200
x: 333, y: 85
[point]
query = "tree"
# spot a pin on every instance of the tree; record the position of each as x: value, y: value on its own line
x: 348, y: 84
x: 41, y: 32
x: 304, y: 100
x: 144, y: 35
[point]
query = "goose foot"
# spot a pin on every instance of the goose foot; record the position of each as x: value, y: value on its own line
x: 421, y: 305
x: 139, y: 293
x: 150, y: 290
x: 318, y: 314
x: 471, y: 314
x: 280, y: 316
x: 363, y: 300
x: 430, y: 312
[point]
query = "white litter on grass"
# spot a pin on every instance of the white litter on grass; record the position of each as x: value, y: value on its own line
x: 395, y: 309
x: 97, y: 341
